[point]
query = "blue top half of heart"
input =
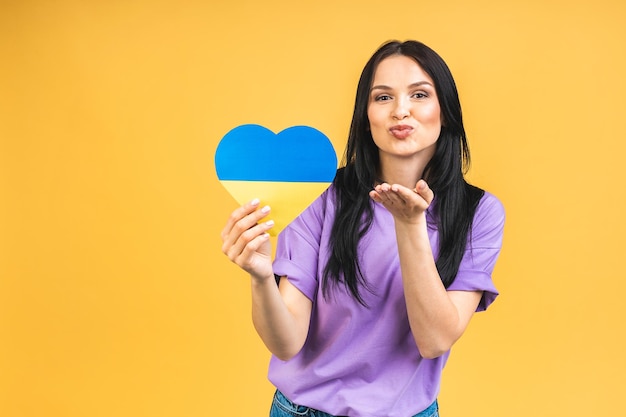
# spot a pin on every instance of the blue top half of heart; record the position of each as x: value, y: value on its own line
x: 255, y: 153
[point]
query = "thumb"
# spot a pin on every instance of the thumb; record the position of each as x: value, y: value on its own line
x: 422, y: 189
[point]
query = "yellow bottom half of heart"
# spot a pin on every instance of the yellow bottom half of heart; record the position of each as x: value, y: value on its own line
x: 286, y: 199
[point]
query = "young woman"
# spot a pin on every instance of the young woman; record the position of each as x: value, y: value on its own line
x: 381, y: 275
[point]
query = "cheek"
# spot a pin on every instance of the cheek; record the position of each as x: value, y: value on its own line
x: 376, y: 119
x: 432, y: 115
x: 371, y: 117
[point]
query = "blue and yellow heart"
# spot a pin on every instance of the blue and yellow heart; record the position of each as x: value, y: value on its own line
x: 287, y: 170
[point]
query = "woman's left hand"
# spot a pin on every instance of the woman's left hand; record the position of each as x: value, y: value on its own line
x: 405, y: 205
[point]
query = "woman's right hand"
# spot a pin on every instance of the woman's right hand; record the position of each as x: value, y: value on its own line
x: 246, y: 241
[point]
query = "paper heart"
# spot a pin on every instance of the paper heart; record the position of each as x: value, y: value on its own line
x: 287, y: 170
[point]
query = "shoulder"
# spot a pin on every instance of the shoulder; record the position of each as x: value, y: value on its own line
x: 489, y: 218
x: 490, y: 205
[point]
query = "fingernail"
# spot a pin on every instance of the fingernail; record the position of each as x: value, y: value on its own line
x: 255, y: 202
x: 269, y: 223
x: 265, y: 209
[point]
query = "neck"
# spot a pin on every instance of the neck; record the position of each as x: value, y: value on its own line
x: 406, y: 172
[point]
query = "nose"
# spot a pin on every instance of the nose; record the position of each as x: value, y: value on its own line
x: 401, y: 109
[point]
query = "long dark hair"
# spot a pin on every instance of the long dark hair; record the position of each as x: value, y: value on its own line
x: 455, y: 200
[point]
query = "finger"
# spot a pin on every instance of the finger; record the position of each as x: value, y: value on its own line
x: 384, y: 191
x: 389, y: 198
x: 404, y: 194
x: 424, y: 191
x: 241, y: 245
x: 238, y: 214
x: 375, y: 196
x: 246, y: 227
x: 250, y: 250
x: 242, y: 224
x: 379, y: 196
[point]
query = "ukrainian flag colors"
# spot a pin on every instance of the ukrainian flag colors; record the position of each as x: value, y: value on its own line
x: 287, y: 170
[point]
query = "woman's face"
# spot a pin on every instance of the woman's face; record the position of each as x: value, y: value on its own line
x: 403, y: 111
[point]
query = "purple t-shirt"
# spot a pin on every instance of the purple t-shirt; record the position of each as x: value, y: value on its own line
x: 363, y: 362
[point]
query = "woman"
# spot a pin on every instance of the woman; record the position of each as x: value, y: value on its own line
x: 381, y: 275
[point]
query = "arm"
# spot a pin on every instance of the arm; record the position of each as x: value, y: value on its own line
x: 280, y: 314
x: 437, y: 317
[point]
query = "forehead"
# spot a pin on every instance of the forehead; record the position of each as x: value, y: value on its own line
x: 399, y: 69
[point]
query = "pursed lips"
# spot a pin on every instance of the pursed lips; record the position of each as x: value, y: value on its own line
x: 401, y: 131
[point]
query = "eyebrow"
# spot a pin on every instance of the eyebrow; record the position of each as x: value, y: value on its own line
x: 385, y: 87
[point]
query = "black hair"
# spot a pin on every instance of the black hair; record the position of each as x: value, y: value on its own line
x: 455, y: 199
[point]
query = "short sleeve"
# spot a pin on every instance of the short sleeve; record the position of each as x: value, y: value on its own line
x: 482, y: 251
x: 298, y: 249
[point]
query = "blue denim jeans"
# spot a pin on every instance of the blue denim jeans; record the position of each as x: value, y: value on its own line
x: 283, y: 407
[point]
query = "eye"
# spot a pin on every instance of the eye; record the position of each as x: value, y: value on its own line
x: 419, y: 94
x: 382, y: 97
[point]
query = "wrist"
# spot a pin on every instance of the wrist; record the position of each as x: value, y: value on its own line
x: 262, y: 279
x: 418, y: 222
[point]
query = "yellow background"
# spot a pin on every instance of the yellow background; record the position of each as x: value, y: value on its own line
x: 115, y: 299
